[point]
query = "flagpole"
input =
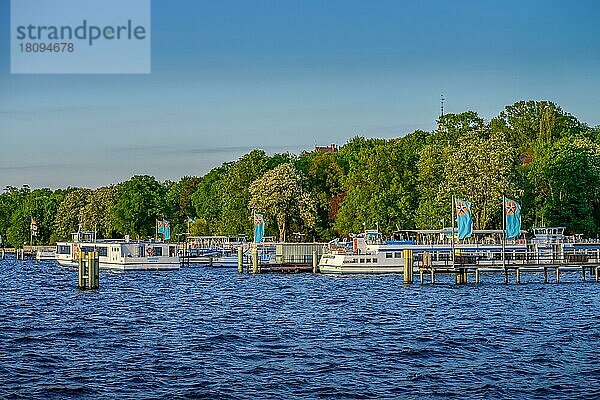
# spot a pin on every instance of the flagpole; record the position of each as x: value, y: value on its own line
x: 452, y: 236
x: 503, y: 231
x: 155, y: 230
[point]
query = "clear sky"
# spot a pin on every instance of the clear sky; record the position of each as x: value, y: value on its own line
x: 228, y: 76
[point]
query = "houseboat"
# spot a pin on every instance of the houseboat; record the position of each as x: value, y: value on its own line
x: 119, y: 254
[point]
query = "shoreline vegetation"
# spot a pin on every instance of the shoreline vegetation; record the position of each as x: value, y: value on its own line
x: 532, y: 151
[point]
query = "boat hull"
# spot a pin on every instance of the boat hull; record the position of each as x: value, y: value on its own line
x: 129, y: 266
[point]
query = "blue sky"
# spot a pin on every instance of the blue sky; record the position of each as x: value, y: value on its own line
x: 228, y: 76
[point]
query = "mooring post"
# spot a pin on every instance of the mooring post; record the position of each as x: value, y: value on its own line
x: 461, y: 276
x: 81, y: 271
x: 93, y: 270
x: 596, y: 273
x: 505, y: 275
x: 432, y: 275
x: 545, y: 275
x: 518, y: 275
x: 476, y: 275
x: 408, y: 266
x: 421, y: 275
x: 583, y: 274
x: 254, y: 260
x: 241, y: 260
x: 314, y: 260
x: 3, y: 253
x: 557, y: 274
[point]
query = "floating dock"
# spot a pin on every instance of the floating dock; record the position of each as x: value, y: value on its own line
x: 289, y: 258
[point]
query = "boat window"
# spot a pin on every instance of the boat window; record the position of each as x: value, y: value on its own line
x: 63, y: 249
x: 158, y: 251
x: 362, y: 260
x: 374, y: 260
x: 102, y: 251
x: 368, y: 260
x: 397, y: 254
x: 388, y: 255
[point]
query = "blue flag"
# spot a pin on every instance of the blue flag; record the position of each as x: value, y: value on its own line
x: 464, y: 219
x: 513, y: 218
x: 259, y: 228
x: 166, y: 229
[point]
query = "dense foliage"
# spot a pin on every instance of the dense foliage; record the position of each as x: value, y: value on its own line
x: 532, y: 151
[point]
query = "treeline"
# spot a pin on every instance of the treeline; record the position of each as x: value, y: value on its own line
x: 532, y: 151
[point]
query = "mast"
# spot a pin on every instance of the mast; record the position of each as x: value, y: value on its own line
x: 452, y: 236
x: 503, y: 231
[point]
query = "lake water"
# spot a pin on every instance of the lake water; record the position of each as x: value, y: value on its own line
x: 213, y: 333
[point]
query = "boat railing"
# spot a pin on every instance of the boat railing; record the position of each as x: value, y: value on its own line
x: 511, y: 258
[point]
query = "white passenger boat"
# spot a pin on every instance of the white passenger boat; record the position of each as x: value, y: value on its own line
x: 119, y: 254
x: 370, y: 254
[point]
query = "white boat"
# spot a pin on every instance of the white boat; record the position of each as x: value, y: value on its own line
x: 370, y: 254
x: 45, y: 254
x: 119, y: 254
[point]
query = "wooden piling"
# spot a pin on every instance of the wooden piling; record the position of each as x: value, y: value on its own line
x: 432, y: 275
x: 476, y: 275
x: 88, y: 270
x: 597, y: 267
x: 255, y: 260
x: 421, y: 275
x: 93, y: 270
x: 81, y: 271
x: 3, y: 254
x: 583, y: 274
x: 557, y: 274
x: 545, y: 275
x: 505, y: 275
x: 518, y: 275
x: 408, y: 266
x: 241, y: 260
x: 461, y: 276
x: 314, y: 261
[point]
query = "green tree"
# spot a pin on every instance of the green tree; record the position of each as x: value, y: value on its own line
x: 565, y: 179
x: 324, y: 183
x: 235, y: 214
x: 206, y: 199
x: 68, y: 215
x: 482, y: 169
x: 526, y: 122
x: 10, y: 202
x: 179, y: 198
x: 98, y: 213
x: 140, y: 202
x: 278, y: 194
x: 382, y: 187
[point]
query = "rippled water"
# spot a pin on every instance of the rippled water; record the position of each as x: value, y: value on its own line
x: 213, y: 333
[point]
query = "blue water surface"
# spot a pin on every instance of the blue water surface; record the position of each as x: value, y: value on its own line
x: 213, y: 333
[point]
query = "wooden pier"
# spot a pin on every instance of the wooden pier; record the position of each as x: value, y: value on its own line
x: 465, y: 268
x: 289, y: 258
x: 25, y: 253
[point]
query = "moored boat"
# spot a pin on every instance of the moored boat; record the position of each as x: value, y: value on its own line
x: 369, y: 253
x: 119, y: 254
